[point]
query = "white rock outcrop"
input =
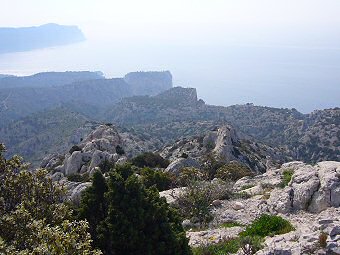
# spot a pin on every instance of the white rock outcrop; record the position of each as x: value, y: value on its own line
x: 312, y: 188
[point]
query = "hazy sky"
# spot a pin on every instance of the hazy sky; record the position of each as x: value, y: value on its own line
x: 181, y: 21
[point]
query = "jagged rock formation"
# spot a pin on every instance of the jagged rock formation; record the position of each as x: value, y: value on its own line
x: 312, y: 188
x: 99, y: 146
x: 29, y: 38
x: 224, y: 145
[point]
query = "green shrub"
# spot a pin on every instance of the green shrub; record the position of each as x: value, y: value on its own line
x: 286, y: 177
x: 184, y: 155
x: 106, y: 166
x: 226, y: 247
x: 233, y: 171
x: 196, y: 200
x: 33, y: 217
x: 188, y: 175
x: 231, y: 224
x: 149, y: 159
x: 250, y: 240
x: 150, y: 177
x: 250, y: 244
x: 211, y: 165
x: 268, y: 225
x: 244, y: 187
x: 131, y: 219
x: 120, y: 150
x: 78, y: 177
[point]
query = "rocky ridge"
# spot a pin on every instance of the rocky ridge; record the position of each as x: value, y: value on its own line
x: 310, y: 208
x: 224, y: 144
x: 308, y: 137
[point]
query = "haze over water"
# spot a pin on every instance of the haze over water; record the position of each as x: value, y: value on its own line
x: 282, y: 54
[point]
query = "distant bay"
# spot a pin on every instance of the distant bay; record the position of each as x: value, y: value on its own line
x: 292, y: 77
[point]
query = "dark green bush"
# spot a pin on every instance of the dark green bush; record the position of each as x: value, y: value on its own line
x: 106, y: 166
x: 268, y: 225
x: 211, y: 165
x: 128, y: 219
x: 149, y: 159
x: 78, y: 177
x: 120, y: 150
x: 188, y: 175
x: 150, y: 177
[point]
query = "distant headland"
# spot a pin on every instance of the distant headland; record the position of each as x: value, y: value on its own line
x: 38, y: 37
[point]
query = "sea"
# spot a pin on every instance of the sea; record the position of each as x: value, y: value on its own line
x: 305, y: 78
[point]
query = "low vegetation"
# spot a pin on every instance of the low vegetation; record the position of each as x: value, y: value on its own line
x: 149, y: 159
x: 268, y: 225
x: 195, y: 203
x: 286, y: 177
x: 250, y: 240
x: 233, y: 171
x: 34, y: 219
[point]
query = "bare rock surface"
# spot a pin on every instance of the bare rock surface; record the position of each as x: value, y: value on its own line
x: 309, y: 202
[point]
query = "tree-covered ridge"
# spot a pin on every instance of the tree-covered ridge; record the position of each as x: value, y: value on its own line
x: 37, y: 135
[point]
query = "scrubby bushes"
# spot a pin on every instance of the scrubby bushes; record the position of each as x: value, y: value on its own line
x: 195, y: 202
x: 106, y: 166
x: 286, y: 177
x: 151, y: 177
x: 131, y: 219
x: 78, y: 177
x: 251, y: 239
x: 233, y: 171
x: 268, y: 225
x: 188, y: 175
x: 120, y: 150
x: 33, y: 217
x: 226, y: 247
x: 149, y: 159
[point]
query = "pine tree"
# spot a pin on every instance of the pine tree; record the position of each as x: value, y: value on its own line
x: 137, y: 221
x: 93, y: 205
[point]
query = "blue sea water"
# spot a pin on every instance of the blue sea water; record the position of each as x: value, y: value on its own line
x: 278, y: 76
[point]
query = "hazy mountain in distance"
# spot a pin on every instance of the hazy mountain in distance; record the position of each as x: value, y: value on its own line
x: 30, y: 38
x: 48, y: 79
x: 4, y: 76
x: 82, y: 91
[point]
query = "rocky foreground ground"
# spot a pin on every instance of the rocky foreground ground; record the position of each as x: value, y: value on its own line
x: 309, y: 199
x: 310, y: 202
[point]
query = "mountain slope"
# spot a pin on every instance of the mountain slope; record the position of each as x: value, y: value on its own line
x: 45, y: 132
x: 21, y: 96
x: 308, y: 137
